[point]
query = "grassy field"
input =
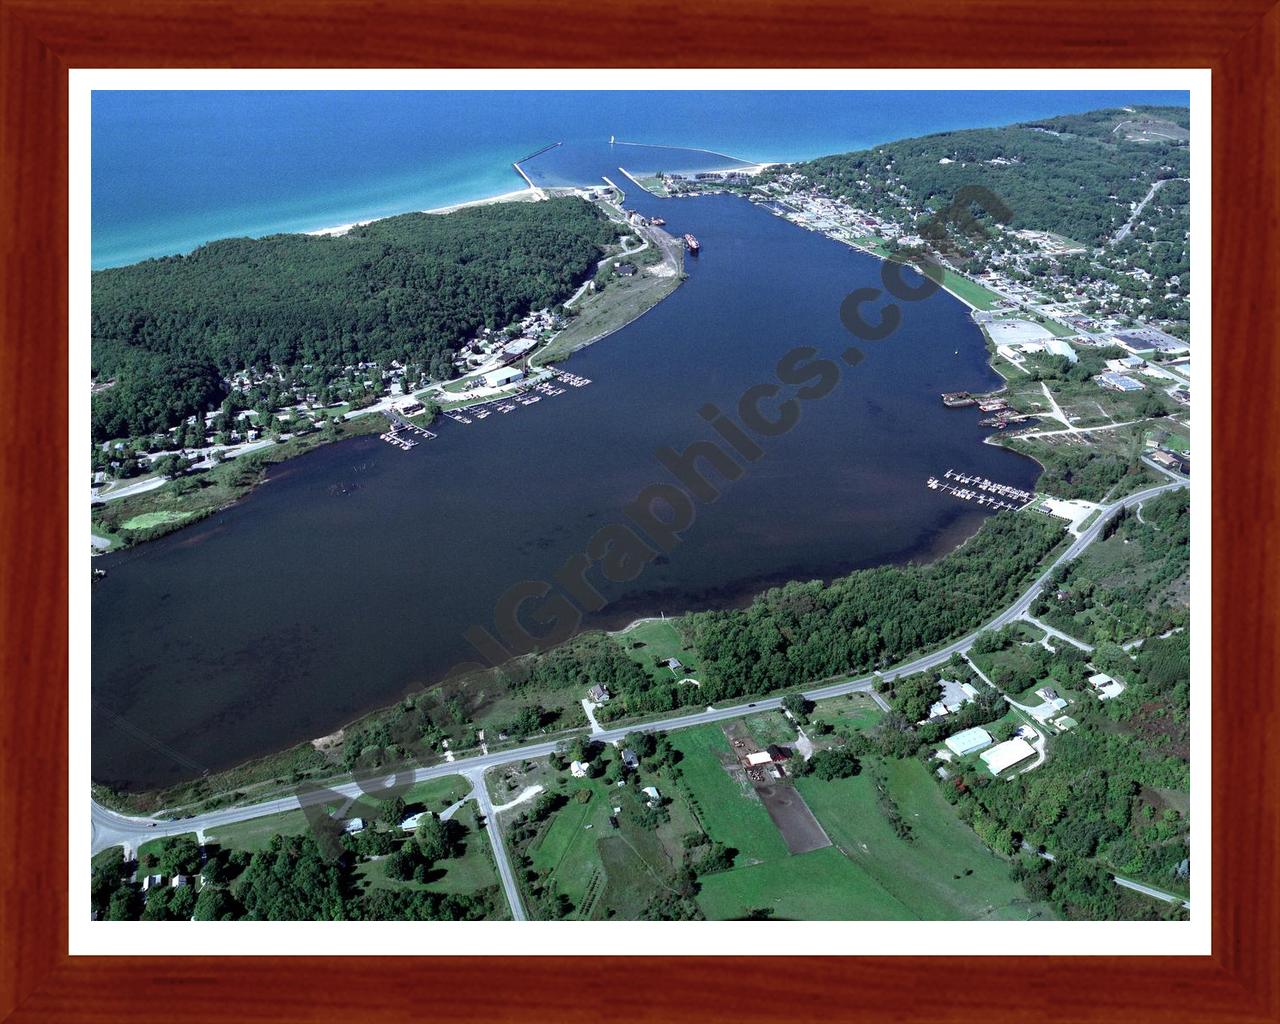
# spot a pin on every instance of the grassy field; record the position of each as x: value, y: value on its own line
x: 771, y: 727
x: 854, y: 711
x: 729, y: 811
x: 943, y: 873
x: 649, y: 640
x: 822, y: 885
x: 969, y: 291
x: 604, y: 312
x: 149, y: 519
x: 256, y: 833
x: 437, y: 794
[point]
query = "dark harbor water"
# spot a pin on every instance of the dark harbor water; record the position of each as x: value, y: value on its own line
x: 350, y: 578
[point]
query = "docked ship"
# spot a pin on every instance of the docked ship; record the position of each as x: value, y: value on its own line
x: 692, y: 243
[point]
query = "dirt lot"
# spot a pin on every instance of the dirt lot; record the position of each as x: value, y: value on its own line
x: 800, y: 829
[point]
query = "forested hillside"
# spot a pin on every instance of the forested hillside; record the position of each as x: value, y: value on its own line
x: 1075, y: 175
x: 408, y: 288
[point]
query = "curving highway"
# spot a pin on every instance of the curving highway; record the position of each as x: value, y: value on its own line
x: 112, y: 829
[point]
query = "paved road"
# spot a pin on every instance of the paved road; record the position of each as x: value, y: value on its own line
x: 1088, y: 648
x: 1148, y: 890
x: 112, y: 829
x: 1127, y: 226
x: 494, y: 831
x: 137, y: 487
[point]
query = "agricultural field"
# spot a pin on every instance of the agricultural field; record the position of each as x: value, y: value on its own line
x: 823, y: 885
x: 943, y: 871
x: 729, y: 810
x: 940, y: 871
x: 588, y: 869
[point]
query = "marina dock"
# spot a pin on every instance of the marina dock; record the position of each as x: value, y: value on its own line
x: 404, y: 434
x: 981, y: 491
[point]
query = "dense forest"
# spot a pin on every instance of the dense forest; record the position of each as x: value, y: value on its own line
x: 1071, y: 175
x: 801, y: 632
x: 410, y: 288
x: 291, y: 879
x: 806, y: 631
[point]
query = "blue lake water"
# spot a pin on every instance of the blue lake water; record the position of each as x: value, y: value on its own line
x: 350, y: 578
x: 172, y: 170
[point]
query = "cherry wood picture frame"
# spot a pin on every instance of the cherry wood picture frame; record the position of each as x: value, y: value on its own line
x: 41, y: 40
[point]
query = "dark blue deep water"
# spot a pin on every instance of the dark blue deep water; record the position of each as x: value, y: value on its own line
x: 352, y: 575
x: 350, y: 578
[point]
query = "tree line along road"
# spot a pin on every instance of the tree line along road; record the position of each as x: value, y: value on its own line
x: 112, y: 829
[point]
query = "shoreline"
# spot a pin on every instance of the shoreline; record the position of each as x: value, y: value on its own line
x: 271, y: 758
x: 527, y: 194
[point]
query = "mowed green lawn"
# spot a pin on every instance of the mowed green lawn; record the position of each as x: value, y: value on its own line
x: 822, y: 885
x: 860, y: 712
x: 969, y: 291
x: 255, y: 834
x: 660, y: 640
x: 945, y: 873
x: 437, y: 794
x: 730, y: 812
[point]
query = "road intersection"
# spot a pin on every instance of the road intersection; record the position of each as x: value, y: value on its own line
x: 110, y: 828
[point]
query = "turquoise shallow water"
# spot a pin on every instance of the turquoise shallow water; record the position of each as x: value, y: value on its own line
x: 172, y: 170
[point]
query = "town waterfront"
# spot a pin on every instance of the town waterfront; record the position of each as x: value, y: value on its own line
x: 349, y: 579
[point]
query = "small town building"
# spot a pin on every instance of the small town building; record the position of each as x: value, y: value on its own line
x: 353, y: 826
x: 578, y: 769
x: 501, y: 378
x: 1105, y: 687
x: 1058, y: 347
x: 968, y: 741
x: 760, y: 757
x: 654, y: 796
x: 411, y: 823
x: 1118, y: 381
x: 1005, y: 755
x: 955, y: 695
x: 598, y: 693
x: 630, y: 759
x: 410, y: 407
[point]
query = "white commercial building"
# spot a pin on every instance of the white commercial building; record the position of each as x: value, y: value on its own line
x: 968, y: 741
x: 1105, y: 686
x: 1007, y: 754
x: 501, y: 378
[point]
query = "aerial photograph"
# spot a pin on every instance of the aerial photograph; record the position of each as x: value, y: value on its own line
x: 590, y: 505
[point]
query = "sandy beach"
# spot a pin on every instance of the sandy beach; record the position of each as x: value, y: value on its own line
x: 519, y: 195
